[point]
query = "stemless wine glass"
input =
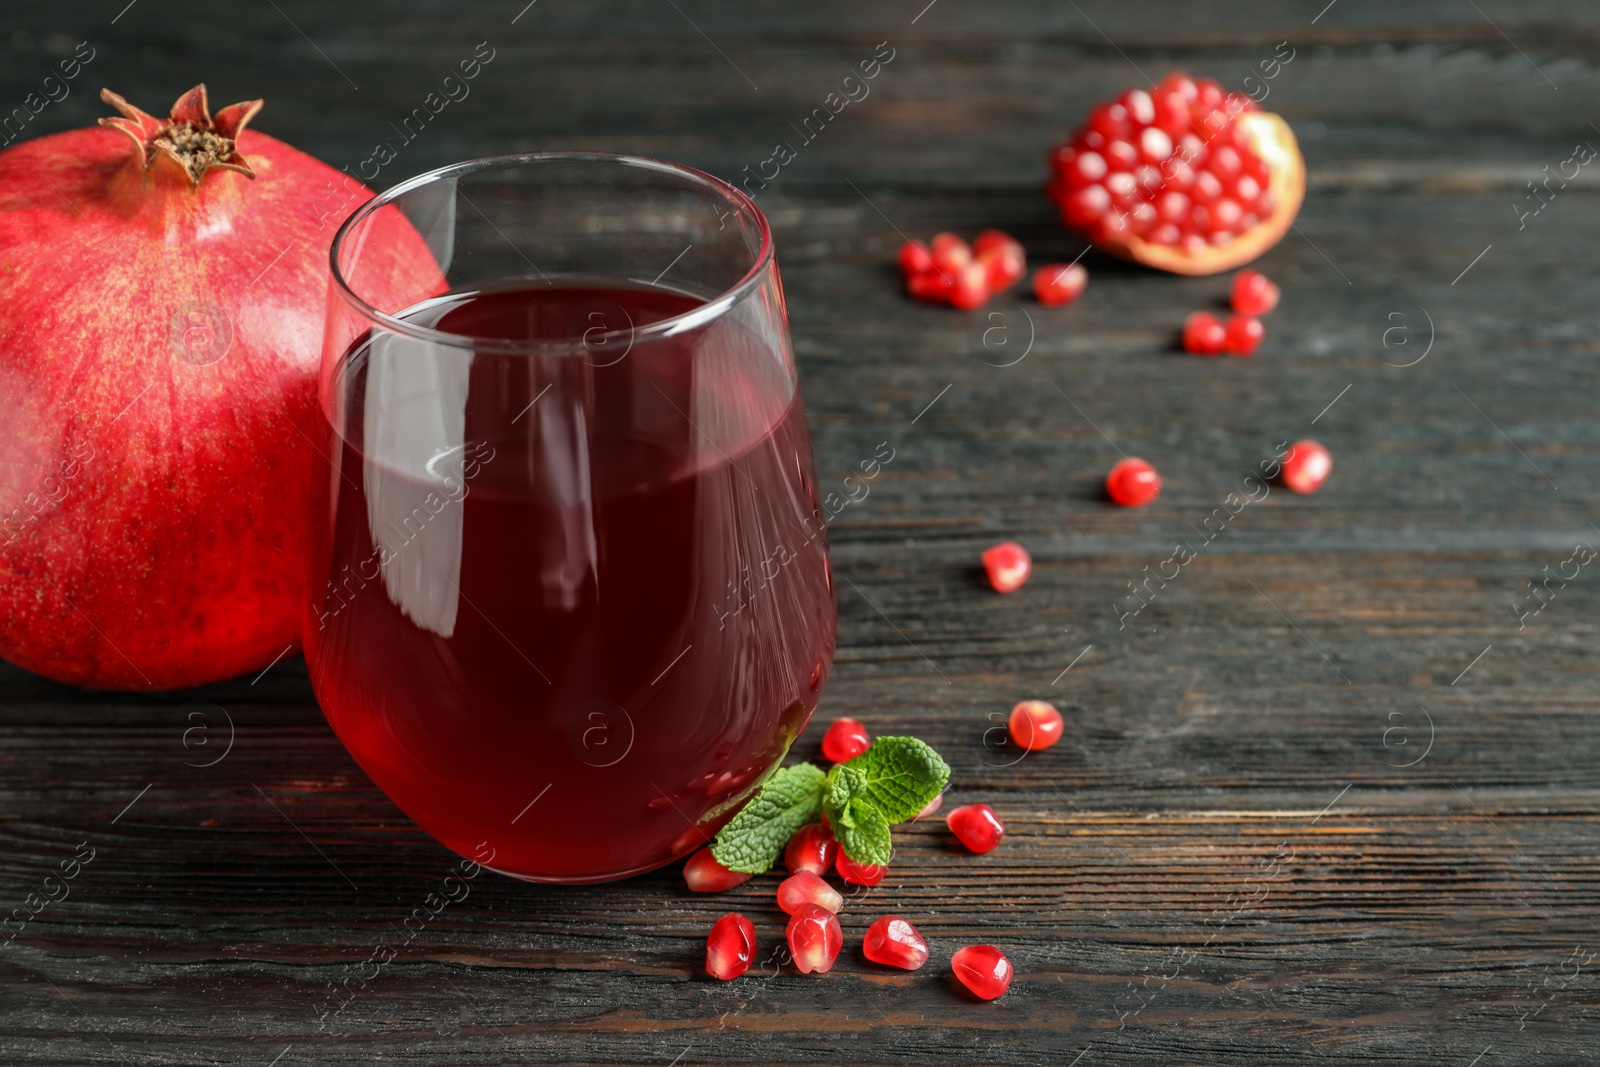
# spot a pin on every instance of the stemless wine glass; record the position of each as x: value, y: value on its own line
x: 570, y: 597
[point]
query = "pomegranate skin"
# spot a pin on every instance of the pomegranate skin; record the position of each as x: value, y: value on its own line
x: 160, y: 343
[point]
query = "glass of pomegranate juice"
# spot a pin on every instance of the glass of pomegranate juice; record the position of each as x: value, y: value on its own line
x: 570, y: 597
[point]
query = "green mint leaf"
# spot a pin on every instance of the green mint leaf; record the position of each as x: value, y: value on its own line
x: 863, y: 833
x: 843, y: 782
x: 753, y: 840
x: 898, y: 776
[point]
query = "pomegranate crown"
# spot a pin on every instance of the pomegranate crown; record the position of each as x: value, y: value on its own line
x: 190, y: 138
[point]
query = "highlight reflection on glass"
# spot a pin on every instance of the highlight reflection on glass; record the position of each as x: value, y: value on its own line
x: 571, y: 597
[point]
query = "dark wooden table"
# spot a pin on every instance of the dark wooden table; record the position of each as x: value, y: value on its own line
x: 1325, y: 799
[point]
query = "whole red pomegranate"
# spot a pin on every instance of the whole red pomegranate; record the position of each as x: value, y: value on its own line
x: 162, y: 286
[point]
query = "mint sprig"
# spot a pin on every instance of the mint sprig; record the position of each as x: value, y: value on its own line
x: 889, y: 783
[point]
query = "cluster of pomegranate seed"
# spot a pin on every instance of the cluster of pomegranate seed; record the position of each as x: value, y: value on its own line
x: 1007, y: 565
x: 815, y: 940
x: 1306, y: 467
x: 964, y: 276
x: 1253, y: 295
x: 813, y: 933
x: 1169, y: 166
x: 949, y: 271
x: 1133, y: 483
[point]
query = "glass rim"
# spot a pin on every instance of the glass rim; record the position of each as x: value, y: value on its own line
x: 712, y: 309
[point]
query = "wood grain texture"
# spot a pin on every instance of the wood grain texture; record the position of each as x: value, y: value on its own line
x: 1288, y: 823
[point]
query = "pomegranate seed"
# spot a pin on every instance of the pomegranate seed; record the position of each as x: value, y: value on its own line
x: 1203, y: 334
x: 1244, y: 335
x: 1004, y: 265
x: 1226, y: 162
x: 1207, y: 189
x: 1172, y: 113
x: 1225, y: 216
x: 1156, y: 144
x: 1172, y: 207
x: 1179, y: 83
x: 950, y: 253
x: 1142, y: 219
x: 1008, y: 565
x: 977, y: 827
x: 971, y: 288
x: 1124, y: 189
x: 983, y: 969
x: 1089, y: 167
x: 994, y: 241
x: 915, y: 258
x: 1116, y: 224
x: 1135, y: 218
x: 930, y: 807
x: 812, y: 848
x: 931, y: 287
x: 1133, y: 483
x: 730, y: 947
x: 1059, y: 283
x: 705, y: 875
x: 1121, y: 156
x: 1306, y: 467
x: 845, y: 740
x: 894, y: 942
x: 859, y: 873
x: 1035, y: 725
x: 1084, y: 208
x: 1140, y: 107
x: 804, y: 888
x: 1110, y: 121
x: 1253, y: 293
x: 814, y: 939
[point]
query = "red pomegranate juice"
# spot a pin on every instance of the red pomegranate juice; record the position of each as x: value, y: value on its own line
x: 567, y: 610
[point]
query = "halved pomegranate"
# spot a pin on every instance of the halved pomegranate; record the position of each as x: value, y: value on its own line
x: 1183, y: 177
